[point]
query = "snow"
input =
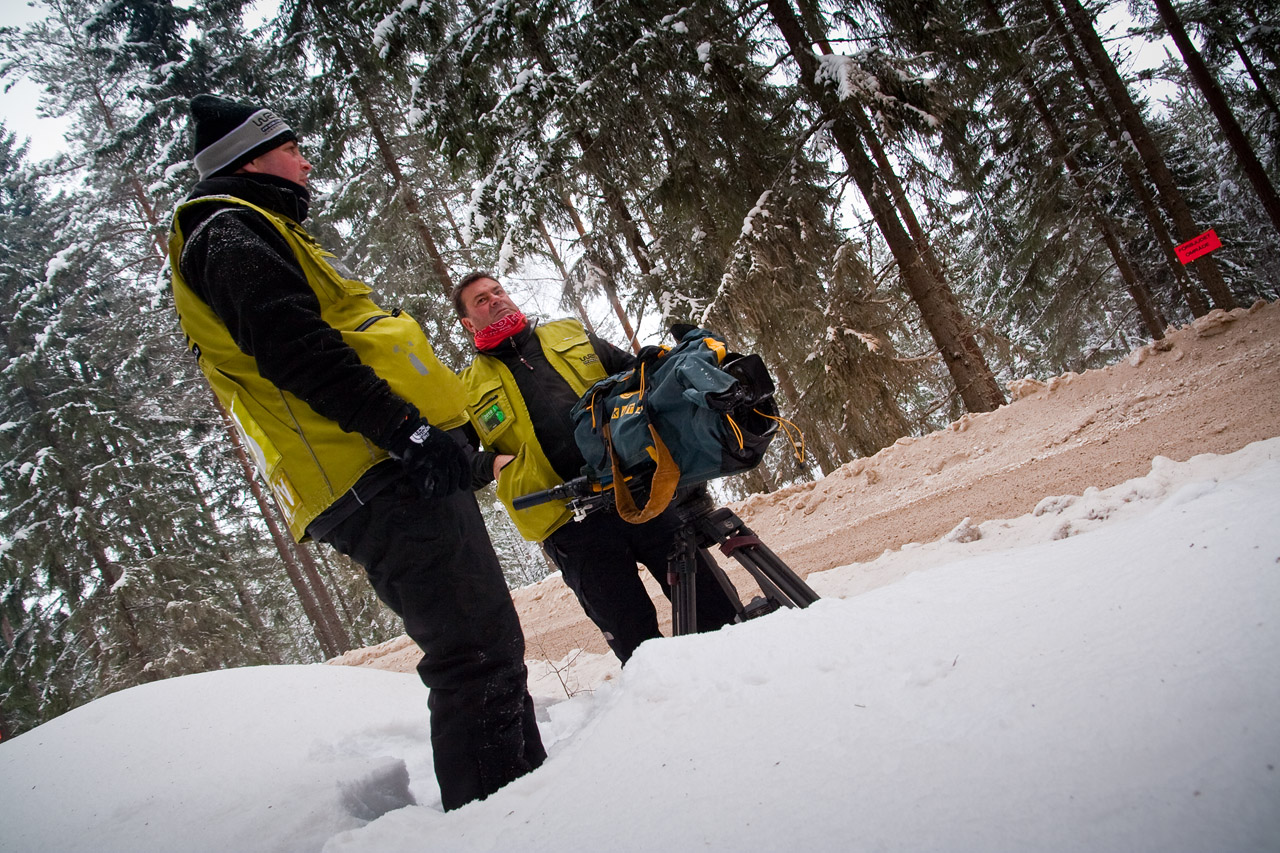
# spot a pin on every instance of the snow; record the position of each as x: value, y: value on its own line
x: 60, y: 261
x: 1100, y: 674
x: 760, y: 209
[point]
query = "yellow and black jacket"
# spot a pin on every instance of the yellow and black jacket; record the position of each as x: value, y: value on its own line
x: 518, y: 399
x: 315, y: 375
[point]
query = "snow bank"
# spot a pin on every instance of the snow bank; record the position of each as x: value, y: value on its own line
x: 1113, y: 688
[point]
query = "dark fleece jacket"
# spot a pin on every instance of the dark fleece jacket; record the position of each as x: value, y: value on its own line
x: 240, y: 265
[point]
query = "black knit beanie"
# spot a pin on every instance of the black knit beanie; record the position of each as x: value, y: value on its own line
x: 229, y: 134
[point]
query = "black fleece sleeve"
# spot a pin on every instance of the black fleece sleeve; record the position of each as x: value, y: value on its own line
x: 481, y: 460
x: 243, y: 268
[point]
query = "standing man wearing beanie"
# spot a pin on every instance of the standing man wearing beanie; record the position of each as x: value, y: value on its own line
x: 520, y: 388
x: 353, y: 422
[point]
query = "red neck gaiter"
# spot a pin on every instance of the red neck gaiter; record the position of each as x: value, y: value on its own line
x: 497, y: 332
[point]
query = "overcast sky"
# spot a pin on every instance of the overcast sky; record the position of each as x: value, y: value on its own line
x: 18, y: 99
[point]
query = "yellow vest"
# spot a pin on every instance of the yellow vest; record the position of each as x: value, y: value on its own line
x: 498, y: 412
x: 306, y: 458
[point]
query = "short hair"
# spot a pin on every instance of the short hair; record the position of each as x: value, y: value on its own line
x: 467, y: 280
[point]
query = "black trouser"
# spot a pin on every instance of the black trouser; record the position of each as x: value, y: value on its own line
x: 598, y: 557
x: 432, y: 563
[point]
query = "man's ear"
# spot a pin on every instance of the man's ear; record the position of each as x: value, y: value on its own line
x: 468, y: 325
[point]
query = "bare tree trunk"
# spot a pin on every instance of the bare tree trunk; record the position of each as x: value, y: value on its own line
x: 111, y: 575
x: 392, y: 165
x: 816, y: 31
x: 1163, y: 240
x: 140, y: 197
x: 1208, y: 85
x: 248, y: 604
x: 1259, y: 84
x: 613, y: 197
x: 283, y: 543
x: 344, y: 600
x: 457, y: 234
x: 324, y: 601
x: 1131, y: 117
x: 1259, y: 25
x: 610, y: 290
x: 938, y: 307
x: 1138, y: 290
x: 564, y: 275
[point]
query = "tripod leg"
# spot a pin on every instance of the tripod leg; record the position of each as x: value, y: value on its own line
x: 790, y: 582
x: 681, y: 566
x: 770, y: 589
x: 767, y: 568
x: 708, y: 564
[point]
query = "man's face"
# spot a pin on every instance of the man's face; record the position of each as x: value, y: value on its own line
x: 286, y: 162
x: 484, y: 302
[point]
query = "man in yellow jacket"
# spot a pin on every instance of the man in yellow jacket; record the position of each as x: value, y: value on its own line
x: 520, y: 388
x: 353, y: 423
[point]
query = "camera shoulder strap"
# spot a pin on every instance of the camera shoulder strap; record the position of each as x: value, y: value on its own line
x: 662, y: 487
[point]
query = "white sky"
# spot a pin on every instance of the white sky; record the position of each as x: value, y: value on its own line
x: 18, y: 103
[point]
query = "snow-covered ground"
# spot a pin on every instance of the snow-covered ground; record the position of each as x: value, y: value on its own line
x: 1102, y: 674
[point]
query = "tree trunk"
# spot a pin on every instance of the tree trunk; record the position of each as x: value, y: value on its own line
x: 1261, y: 26
x: 610, y: 290
x: 392, y: 165
x: 613, y: 197
x: 1138, y: 290
x: 1208, y: 85
x: 350, y: 617
x: 938, y: 307
x: 248, y: 604
x: 817, y: 33
x: 284, y: 544
x: 1191, y: 294
x: 1131, y: 117
x: 1259, y: 84
x: 564, y: 275
x: 324, y: 601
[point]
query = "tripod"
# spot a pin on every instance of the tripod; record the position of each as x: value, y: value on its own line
x: 704, y: 525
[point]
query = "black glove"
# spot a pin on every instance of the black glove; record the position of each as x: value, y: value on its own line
x: 431, y: 458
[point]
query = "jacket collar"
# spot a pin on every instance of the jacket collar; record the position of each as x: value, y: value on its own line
x: 268, y: 191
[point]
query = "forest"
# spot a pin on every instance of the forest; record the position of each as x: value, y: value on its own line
x: 902, y: 205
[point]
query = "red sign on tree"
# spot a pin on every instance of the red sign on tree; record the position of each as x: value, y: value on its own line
x: 1198, y: 246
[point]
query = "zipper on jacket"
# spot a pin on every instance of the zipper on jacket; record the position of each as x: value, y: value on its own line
x: 367, y: 323
x: 520, y: 355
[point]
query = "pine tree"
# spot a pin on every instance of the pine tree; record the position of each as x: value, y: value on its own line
x: 950, y: 328
x: 1207, y: 82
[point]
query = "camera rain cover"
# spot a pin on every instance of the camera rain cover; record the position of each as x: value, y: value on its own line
x: 680, y: 417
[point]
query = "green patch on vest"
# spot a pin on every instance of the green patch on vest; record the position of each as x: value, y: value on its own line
x: 492, y: 417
